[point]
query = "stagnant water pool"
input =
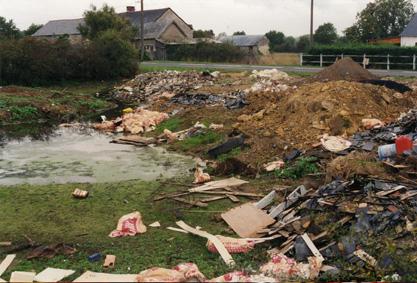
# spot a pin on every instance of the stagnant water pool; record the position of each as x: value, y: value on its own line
x: 75, y: 155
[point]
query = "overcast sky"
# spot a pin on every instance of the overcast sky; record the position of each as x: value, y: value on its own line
x: 253, y: 16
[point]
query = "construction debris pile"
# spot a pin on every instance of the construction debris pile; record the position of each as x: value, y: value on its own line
x: 301, y: 118
x: 134, y: 122
x: 272, y: 81
x: 160, y: 84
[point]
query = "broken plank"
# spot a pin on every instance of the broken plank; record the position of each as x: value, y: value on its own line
x: 6, y: 263
x: 217, y: 243
x: 365, y: 257
x: 193, y: 203
x: 134, y: 140
x: 90, y: 276
x: 233, y: 198
x: 232, y: 182
x: 5, y: 244
x: 246, y: 220
x: 233, y: 194
x: 312, y: 247
x: 177, y: 230
x: 22, y: 277
x: 266, y: 200
x: 290, y: 200
x: 386, y: 193
x: 171, y: 196
x: 409, y: 195
x: 53, y: 275
x: 212, y: 199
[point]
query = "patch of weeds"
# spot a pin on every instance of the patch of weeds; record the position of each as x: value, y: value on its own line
x: 224, y: 157
x: 93, y: 104
x: 23, y: 113
x: 206, y: 138
x: 2, y: 104
x: 301, y: 167
x: 172, y: 124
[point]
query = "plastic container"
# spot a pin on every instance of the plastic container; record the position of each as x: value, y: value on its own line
x: 387, y: 151
x: 94, y: 257
x: 403, y: 144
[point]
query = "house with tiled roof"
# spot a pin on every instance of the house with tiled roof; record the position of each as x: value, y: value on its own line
x: 161, y: 27
x: 251, y: 44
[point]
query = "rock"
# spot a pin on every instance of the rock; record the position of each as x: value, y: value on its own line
x: 244, y: 118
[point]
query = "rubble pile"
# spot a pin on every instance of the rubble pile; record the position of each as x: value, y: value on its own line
x: 269, y: 81
x: 135, y: 122
x: 155, y: 84
x: 349, y: 220
x: 344, y: 70
x: 335, y: 108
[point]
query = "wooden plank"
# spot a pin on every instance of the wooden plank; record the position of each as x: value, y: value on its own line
x: 2, y: 281
x: 266, y: 200
x: 22, y: 277
x: 290, y: 200
x: 53, y: 275
x: 386, y: 193
x: 312, y: 247
x: 134, y: 140
x: 171, y: 196
x: 247, y: 220
x: 233, y: 194
x: 409, y: 195
x: 177, y: 230
x: 227, y: 183
x: 5, y: 244
x: 193, y: 203
x: 105, y: 277
x: 227, y: 258
x: 365, y: 257
x: 212, y: 199
x: 6, y: 263
x: 233, y: 198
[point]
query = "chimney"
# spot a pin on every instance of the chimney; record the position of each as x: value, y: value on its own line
x: 130, y: 9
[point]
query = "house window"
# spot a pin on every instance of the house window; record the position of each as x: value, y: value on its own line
x: 149, y: 48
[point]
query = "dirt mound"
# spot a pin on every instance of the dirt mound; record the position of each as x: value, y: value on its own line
x: 344, y: 70
x: 300, y: 118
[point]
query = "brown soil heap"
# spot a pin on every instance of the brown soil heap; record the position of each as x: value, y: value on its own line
x: 344, y: 70
x: 298, y: 119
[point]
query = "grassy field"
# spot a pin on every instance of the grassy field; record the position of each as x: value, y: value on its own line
x: 64, y: 102
x: 49, y: 215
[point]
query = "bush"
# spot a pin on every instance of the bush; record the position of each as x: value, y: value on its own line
x: 30, y: 61
x: 206, y: 52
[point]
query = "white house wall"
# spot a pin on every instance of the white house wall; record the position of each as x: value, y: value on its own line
x: 408, y: 41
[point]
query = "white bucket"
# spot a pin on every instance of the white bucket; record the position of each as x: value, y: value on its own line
x: 387, y: 151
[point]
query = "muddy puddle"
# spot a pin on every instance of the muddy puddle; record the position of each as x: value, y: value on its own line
x: 69, y: 155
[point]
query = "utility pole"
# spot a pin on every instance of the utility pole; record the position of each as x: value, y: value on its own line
x: 142, y: 32
x: 312, y: 24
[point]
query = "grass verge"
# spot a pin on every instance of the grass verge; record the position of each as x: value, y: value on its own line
x: 48, y: 214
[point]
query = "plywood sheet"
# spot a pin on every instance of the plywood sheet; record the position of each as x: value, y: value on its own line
x: 90, y: 276
x: 22, y: 277
x: 53, y: 275
x: 6, y: 263
x: 247, y: 220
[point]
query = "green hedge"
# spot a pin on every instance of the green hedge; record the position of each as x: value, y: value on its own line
x: 205, y: 52
x: 363, y: 49
x: 30, y: 61
x: 400, y: 57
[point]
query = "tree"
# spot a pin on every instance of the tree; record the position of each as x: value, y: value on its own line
x: 326, y: 34
x: 276, y: 39
x: 99, y: 21
x: 203, y: 34
x: 32, y: 29
x: 239, y: 33
x: 8, y: 29
x: 289, y: 44
x: 303, y: 43
x: 381, y: 19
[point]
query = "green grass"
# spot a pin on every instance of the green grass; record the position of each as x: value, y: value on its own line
x: 23, y: 113
x: 209, y: 137
x: 224, y: 157
x: 48, y: 215
x: 301, y: 168
x: 173, y: 124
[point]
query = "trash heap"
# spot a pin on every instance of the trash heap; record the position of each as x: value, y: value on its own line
x: 155, y: 84
x: 272, y: 81
x: 300, y: 118
x: 348, y: 220
x: 134, y: 122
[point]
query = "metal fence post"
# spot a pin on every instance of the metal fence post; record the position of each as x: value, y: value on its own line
x: 364, y: 61
x: 343, y: 56
x: 301, y: 59
x: 388, y: 63
x: 414, y: 62
x: 321, y: 60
